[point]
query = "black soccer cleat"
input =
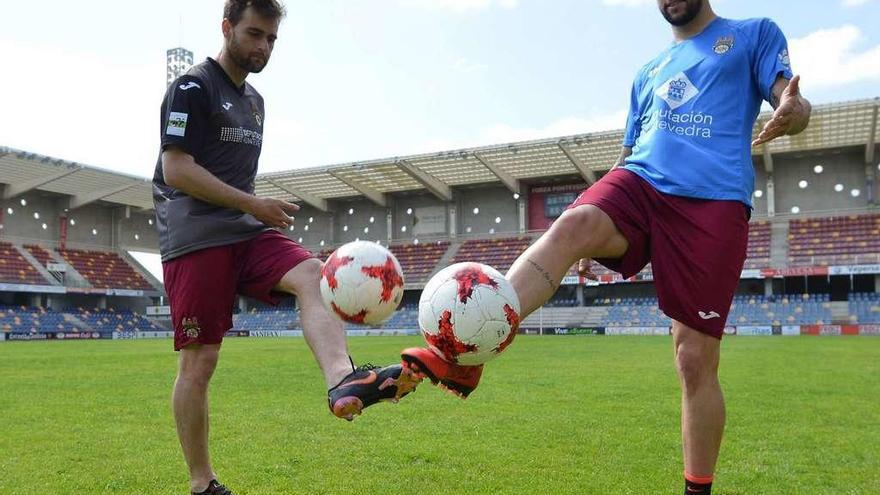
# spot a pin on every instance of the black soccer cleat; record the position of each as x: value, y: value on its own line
x: 214, y: 488
x: 369, y: 384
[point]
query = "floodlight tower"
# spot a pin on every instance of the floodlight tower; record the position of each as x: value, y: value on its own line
x: 178, y: 61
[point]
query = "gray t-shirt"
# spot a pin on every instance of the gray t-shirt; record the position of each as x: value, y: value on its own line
x: 221, y: 125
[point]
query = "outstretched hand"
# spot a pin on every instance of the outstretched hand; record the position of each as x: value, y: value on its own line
x: 790, y: 116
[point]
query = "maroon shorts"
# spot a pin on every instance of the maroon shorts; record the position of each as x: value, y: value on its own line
x: 202, y: 285
x: 696, y: 247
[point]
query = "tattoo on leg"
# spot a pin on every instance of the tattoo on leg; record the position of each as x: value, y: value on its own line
x: 543, y: 273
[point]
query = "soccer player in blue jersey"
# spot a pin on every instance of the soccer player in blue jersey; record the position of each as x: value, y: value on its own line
x: 680, y: 198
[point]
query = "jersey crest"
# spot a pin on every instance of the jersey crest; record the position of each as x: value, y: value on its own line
x: 723, y: 45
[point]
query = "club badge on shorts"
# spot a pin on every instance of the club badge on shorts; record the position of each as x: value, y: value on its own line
x: 723, y: 45
x: 191, y: 327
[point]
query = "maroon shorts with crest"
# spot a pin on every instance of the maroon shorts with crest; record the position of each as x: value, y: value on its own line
x: 696, y: 247
x: 202, y: 285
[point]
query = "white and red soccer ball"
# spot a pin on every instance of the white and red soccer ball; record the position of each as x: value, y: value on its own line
x: 468, y: 313
x: 361, y: 282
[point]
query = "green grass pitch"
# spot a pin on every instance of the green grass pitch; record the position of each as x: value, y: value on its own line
x: 554, y: 415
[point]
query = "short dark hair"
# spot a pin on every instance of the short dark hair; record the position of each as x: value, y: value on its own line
x: 271, y: 9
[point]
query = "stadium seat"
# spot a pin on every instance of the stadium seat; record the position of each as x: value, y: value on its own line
x: 497, y: 253
x: 104, y: 269
x: 110, y: 320
x: 15, y: 269
x: 851, y: 239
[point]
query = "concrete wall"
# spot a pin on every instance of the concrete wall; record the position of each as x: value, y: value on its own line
x: 93, y: 217
x: 493, y: 202
x: 137, y: 232
x: 311, y: 233
x: 845, y: 167
x: 405, y: 214
x: 358, y: 224
x: 19, y: 220
x: 759, y: 200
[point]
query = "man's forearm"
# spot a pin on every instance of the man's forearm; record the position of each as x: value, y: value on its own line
x: 197, y: 182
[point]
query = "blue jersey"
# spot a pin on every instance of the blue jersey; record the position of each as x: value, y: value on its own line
x: 694, y: 106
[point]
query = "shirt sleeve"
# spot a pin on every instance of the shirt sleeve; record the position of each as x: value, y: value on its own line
x: 634, y: 117
x: 769, y: 57
x: 185, y: 115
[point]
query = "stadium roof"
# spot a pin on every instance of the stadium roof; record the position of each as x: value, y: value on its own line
x: 834, y: 125
x: 21, y: 172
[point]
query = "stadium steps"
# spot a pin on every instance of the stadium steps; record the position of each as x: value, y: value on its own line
x: 72, y: 278
x: 595, y: 316
x: 840, y: 312
x: 73, y: 320
x: 36, y: 264
x: 163, y: 321
x: 549, y: 317
x: 143, y: 272
x: 779, y: 244
x: 444, y: 260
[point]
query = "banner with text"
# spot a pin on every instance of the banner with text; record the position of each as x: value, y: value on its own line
x: 276, y: 333
x: 155, y: 335
x: 637, y: 330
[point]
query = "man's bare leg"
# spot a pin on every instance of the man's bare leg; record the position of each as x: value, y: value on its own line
x: 702, y: 403
x: 324, y: 333
x: 581, y: 232
x: 190, y: 406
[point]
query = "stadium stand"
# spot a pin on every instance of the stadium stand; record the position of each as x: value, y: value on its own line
x: 22, y: 319
x: 110, y: 320
x: 105, y: 269
x: 864, y: 308
x: 406, y: 317
x: 14, y: 268
x: 39, y: 253
x: 840, y: 239
x: 497, y: 253
x: 418, y: 261
x: 273, y: 319
x: 267, y: 319
x: 806, y: 309
x: 636, y: 311
x: 562, y: 302
x: 758, y: 255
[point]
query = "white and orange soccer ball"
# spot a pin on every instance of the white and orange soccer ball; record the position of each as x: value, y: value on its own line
x: 468, y: 313
x: 361, y: 282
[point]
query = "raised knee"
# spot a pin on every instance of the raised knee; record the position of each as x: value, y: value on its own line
x: 578, y: 228
x: 311, y: 268
x: 305, y: 275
